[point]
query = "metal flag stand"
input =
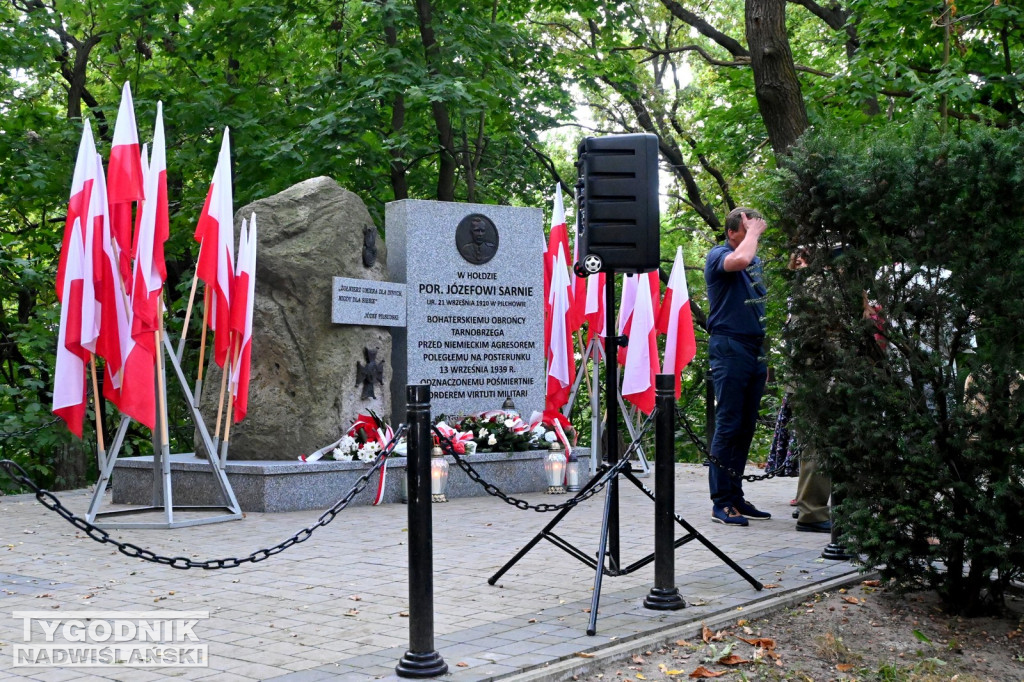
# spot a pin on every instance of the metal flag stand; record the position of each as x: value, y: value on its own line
x: 608, y: 547
x: 594, y: 350
x: 162, y: 489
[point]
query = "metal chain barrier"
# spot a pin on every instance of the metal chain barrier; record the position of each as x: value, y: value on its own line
x: 50, y: 501
x: 28, y: 432
x: 750, y: 478
x: 606, y: 475
x: 685, y: 423
x: 705, y: 448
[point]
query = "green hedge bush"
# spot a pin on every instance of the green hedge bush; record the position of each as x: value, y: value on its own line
x: 925, y: 439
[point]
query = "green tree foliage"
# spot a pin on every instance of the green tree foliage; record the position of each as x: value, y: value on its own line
x: 919, y: 415
x: 426, y: 99
x: 454, y: 101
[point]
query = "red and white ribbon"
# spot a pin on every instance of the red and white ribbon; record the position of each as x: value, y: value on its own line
x: 517, y: 426
x: 458, y: 438
x: 379, y: 496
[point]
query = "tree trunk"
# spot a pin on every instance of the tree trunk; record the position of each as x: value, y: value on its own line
x: 70, y: 466
x: 447, y: 163
x: 399, y: 181
x: 775, y: 83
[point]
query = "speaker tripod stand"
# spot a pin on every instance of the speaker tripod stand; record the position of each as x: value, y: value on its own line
x: 608, y: 475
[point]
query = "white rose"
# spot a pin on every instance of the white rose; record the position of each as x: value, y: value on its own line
x: 550, y: 436
x: 491, y: 440
x: 509, y: 423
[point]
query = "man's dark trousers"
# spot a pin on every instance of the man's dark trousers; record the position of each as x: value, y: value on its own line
x: 739, y: 376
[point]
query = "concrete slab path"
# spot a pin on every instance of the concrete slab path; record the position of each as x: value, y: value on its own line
x: 336, y: 606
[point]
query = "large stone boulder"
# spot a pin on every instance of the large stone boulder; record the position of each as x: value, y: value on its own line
x: 304, y: 391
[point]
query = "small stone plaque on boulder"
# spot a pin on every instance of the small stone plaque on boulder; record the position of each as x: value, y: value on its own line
x: 369, y: 302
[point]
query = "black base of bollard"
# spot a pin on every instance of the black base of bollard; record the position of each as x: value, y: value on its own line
x: 835, y: 552
x: 421, y: 665
x: 661, y: 599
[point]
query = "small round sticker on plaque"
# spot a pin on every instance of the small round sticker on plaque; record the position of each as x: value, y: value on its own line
x: 476, y: 238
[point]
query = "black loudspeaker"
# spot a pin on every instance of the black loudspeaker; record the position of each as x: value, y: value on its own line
x: 617, y: 204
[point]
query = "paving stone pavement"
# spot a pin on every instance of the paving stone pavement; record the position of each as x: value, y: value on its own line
x: 336, y: 606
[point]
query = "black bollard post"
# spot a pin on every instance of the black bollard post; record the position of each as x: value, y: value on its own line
x: 835, y: 550
x: 421, y: 660
x: 664, y: 596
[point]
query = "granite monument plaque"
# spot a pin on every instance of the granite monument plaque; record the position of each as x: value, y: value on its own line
x: 475, y: 304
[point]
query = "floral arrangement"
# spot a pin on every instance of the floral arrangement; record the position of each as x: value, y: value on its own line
x: 551, y: 425
x: 498, y: 431
x: 505, y: 431
x: 364, y: 440
x: 491, y: 431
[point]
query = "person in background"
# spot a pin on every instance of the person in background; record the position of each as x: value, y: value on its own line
x: 814, y: 488
x: 736, y: 299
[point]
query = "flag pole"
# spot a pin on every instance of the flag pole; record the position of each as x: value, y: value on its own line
x: 230, y: 401
x: 161, y: 384
x: 101, y: 449
x: 161, y: 416
x: 223, y: 388
x: 202, y: 343
x: 188, y: 316
x: 581, y: 345
x: 220, y: 403
x: 227, y: 431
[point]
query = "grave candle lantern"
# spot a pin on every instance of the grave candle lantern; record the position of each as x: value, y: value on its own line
x: 438, y: 475
x: 572, y: 473
x: 554, y: 469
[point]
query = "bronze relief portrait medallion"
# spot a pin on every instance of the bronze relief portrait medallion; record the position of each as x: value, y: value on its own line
x: 476, y: 238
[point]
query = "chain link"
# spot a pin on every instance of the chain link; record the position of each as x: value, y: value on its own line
x: 750, y: 478
x: 705, y: 447
x: 606, y: 474
x: 28, y: 432
x: 50, y: 501
x: 683, y: 422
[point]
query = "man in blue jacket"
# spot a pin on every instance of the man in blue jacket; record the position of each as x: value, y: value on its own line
x: 736, y: 297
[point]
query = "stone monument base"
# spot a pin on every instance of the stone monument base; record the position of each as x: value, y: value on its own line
x: 284, y: 486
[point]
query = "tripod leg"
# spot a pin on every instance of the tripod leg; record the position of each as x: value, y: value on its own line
x: 703, y: 540
x: 601, y: 549
x: 546, y: 531
x: 529, y: 545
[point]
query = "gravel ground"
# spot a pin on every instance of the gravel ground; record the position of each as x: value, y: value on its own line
x: 865, y: 632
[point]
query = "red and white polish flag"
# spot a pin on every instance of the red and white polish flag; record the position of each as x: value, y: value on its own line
x: 676, y: 321
x: 104, y: 318
x: 216, y: 236
x: 78, y: 204
x: 242, y: 304
x: 69, y: 393
x: 124, y: 180
x: 112, y: 339
x: 561, y: 363
x: 579, y: 285
x: 628, y: 303
x: 642, y: 352
x: 558, y: 239
x: 139, y: 388
x: 594, y: 309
